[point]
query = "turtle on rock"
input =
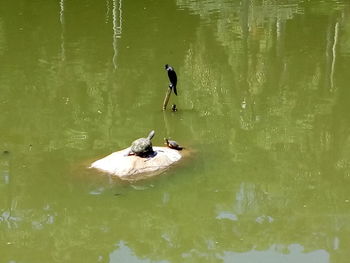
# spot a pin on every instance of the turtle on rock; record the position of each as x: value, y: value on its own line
x: 142, y: 147
x: 172, y: 144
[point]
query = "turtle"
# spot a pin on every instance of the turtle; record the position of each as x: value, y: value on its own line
x: 142, y: 147
x: 173, y: 144
x: 173, y: 107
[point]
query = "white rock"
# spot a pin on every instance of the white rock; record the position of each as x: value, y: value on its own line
x: 134, y: 167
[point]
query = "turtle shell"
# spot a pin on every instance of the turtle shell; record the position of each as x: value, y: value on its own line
x: 173, y: 144
x: 140, y: 146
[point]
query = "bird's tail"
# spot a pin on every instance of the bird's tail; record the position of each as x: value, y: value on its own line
x: 174, y: 88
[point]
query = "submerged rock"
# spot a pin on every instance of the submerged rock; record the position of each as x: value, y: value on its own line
x: 133, y: 167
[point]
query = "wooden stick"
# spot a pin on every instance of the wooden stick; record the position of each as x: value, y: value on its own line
x: 166, y: 99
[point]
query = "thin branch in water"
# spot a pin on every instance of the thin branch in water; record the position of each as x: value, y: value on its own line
x: 117, y: 28
x: 63, y: 52
x: 107, y: 11
x: 336, y: 30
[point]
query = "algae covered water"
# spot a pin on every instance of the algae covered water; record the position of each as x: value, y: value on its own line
x: 262, y: 104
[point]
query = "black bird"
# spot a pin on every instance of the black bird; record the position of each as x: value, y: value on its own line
x: 172, y: 77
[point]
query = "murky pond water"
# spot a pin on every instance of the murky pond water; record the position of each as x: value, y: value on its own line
x: 263, y: 99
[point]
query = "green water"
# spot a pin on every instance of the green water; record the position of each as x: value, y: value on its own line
x: 263, y: 105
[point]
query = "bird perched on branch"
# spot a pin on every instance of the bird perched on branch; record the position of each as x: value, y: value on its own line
x: 172, y: 77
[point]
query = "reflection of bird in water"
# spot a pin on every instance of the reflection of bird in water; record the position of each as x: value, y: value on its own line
x: 172, y: 77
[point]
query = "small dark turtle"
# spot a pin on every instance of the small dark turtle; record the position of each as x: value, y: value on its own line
x: 173, y: 144
x: 142, y: 146
x: 173, y: 108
